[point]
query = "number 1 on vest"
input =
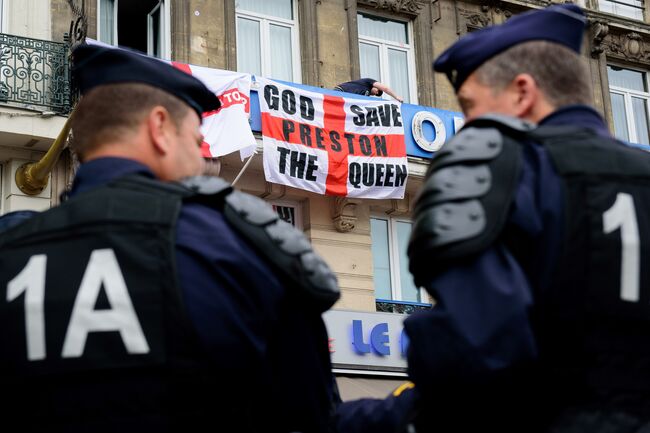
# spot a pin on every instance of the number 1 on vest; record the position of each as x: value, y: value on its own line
x: 622, y: 215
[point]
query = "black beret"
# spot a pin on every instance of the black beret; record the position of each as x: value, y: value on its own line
x: 563, y: 24
x: 95, y: 65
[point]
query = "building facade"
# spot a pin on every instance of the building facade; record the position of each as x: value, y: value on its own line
x: 314, y: 42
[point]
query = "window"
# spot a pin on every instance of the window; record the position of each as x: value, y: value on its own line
x: 385, y: 54
x: 392, y: 279
x: 626, y: 8
x: 267, y: 39
x: 289, y: 212
x: 629, y: 92
x: 141, y: 25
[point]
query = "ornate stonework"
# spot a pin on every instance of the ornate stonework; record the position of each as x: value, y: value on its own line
x: 599, y: 30
x: 472, y: 20
x: 79, y: 24
x: 631, y: 46
x: 407, y: 6
x: 344, y: 214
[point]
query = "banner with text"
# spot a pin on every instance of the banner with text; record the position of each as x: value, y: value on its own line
x: 230, y: 130
x: 332, y: 145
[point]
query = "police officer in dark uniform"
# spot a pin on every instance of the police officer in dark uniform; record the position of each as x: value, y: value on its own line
x: 147, y: 304
x: 531, y: 233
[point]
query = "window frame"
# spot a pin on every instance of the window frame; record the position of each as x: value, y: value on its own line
x: 384, y: 45
x: 615, y: 2
x: 628, y: 94
x: 394, y: 260
x: 297, y: 210
x: 165, y: 28
x: 265, y: 22
x: 3, y: 25
x: 99, y: 21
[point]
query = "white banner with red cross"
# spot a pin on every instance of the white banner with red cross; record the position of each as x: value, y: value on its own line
x: 230, y: 130
x: 332, y: 145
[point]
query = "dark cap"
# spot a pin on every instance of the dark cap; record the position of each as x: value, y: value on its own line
x: 563, y: 24
x: 94, y: 65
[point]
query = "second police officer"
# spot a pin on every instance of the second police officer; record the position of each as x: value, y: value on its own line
x: 534, y: 243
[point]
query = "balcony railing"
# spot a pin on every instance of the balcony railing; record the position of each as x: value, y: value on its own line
x: 401, y: 307
x: 34, y: 74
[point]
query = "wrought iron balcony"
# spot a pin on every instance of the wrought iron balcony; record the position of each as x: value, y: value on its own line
x: 34, y: 74
x: 400, y: 307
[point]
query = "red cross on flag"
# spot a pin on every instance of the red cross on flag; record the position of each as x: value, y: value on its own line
x: 332, y: 145
x: 228, y: 131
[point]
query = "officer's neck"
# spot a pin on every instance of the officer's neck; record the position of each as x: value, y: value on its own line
x: 538, y: 110
x: 134, y: 150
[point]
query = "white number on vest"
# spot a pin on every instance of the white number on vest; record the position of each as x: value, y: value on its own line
x: 102, y: 270
x: 623, y: 215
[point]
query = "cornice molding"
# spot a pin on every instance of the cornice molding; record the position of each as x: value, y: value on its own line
x: 473, y: 20
x: 487, y: 14
x: 411, y: 7
x: 619, y: 38
x: 630, y: 46
x: 619, y: 43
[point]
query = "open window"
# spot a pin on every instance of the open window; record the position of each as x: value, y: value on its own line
x: 142, y: 25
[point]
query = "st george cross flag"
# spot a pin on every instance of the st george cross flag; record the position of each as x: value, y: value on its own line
x: 332, y: 145
x: 228, y: 131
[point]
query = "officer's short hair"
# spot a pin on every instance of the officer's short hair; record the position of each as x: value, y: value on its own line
x: 107, y: 113
x: 558, y: 71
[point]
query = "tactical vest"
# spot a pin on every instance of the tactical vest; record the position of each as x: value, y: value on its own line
x: 593, y: 321
x: 94, y: 333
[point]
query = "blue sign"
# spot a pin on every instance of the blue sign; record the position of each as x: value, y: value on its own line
x: 379, y: 339
x: 366, y: 340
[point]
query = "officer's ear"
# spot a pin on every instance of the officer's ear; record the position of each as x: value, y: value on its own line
x: 160, y: 128
x: 526, y: 96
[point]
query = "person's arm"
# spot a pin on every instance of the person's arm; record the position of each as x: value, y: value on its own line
x: 231, y: 295
x: 384, y: 88
x: 392, y: 414
x: 479, y: 324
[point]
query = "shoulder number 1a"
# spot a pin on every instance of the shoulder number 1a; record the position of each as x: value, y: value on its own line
x: 102, y: 270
